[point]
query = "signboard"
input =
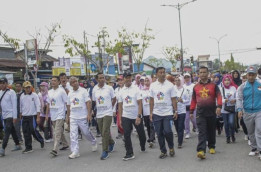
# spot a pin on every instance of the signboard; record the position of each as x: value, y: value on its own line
x: 57, y: 70
x: 32, y: 52
x: 125, y: 61
x: 9, y: 77
x: 75, y: 71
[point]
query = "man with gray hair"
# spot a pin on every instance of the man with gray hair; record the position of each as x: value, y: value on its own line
x: 248, y: 101
x: 79, y: 109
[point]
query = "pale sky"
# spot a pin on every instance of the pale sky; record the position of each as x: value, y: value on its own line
x: 239, y: 19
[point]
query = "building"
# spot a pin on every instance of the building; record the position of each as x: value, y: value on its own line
x: 204, y: 60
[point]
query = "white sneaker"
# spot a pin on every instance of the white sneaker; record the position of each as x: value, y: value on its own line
x: 259, y: 156
x: 252, y: 153
x: 113, y: 125
x: 246, y: 137
x: 74, y: 155
x: 249, y: 143
x: 187, y: 136
x: 94, y: 147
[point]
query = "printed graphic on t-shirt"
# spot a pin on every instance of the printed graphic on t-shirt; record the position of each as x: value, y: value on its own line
x: 160, y: 96
x: 204, y: 93
x: 128, y: 100
x: 76, y: 101
x: 53, y: 104
x: 101, y: 100
x: 146, y: 101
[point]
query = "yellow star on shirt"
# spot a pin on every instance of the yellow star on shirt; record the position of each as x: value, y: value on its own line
x: 204, y: 93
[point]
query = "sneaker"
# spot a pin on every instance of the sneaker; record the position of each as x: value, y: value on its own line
x: 80, y: 137
x: 259, y: 156
x: 64, y: 148
x: 171, y: 152
x: 151, y: 144
x: 42, y: 144
x: 111, y: 147
x: 74, y: 155
x: 27, y: 151
x: 246, y: 138
x: 219, y: 132
x: 249, y: 143
x: 114, y: 125
x: 212, y: 151
x: 94, y: 147
x: 233, y: 139
x: 54, y: 153
x: 163, y: 155
x: 201, y: 155
x: 179, y: 146
x: 194, y: 130
x: 253, y: 152
x: 128, y: 157
x: 98, y: 135
x: 228, y: 140
x: 104, y: 155
x: 21, y: 142
x: 48, y: 140
x: 142, y: 149
x: 187, y: 136
x: 2, y: 152
x: 17, y: 148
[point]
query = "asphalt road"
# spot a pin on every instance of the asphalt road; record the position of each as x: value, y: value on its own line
x: 229, y: 158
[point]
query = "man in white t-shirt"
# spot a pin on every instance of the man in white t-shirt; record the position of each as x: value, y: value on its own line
x: 162, y: 103
x: 130, y: 113
x: 104, y: 97
x: 79, y: 111
x: 57, y: 99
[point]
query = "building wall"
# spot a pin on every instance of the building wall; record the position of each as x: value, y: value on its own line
x: 6, y: 53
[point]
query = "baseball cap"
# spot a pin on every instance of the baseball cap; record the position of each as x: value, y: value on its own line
x: 3, y: 80
x: 143, y: 77
x: 120, y: 77
x: 251, y: 69
x: 27, y: 84
x: 187, y: 74
x: 126, y: 74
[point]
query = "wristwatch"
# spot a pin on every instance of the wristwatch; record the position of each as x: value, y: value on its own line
x: 139, y: 116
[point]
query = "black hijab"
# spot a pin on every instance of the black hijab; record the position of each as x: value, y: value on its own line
x: 237, y: 80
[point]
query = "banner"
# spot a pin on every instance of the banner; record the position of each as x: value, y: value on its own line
x: 32, y: 52
x: 125, y: 62
x: 58, y: 70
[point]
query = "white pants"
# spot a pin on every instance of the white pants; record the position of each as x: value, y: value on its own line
x: 83, y: 125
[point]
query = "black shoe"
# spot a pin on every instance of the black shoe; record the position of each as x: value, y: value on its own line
x: 171, y: 152
x: 42, y: 144
x: 180, y: 146
x: 128, y: 157
x: 27, y: 151
x: 163, y: 155
x: 228, y: 139
x: 98, y: 135
x: 233, y: 139
x: 219, y: 132
x: 64, y: 148
x: 142, y: 149
x: 54, y: 153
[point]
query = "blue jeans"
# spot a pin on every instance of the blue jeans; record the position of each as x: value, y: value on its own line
x: 163, y: 129
x: 229, y: 122
x: 180, y: 125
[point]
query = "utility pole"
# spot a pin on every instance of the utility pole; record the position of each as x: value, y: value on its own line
x: 218, y: 42
x: 178, y: 7
x: 86, y: 55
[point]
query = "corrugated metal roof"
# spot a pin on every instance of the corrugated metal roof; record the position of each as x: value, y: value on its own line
x: 12, y: 63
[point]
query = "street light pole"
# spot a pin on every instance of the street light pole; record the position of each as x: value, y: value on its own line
x: 218, y: 42
x: 178, y: 7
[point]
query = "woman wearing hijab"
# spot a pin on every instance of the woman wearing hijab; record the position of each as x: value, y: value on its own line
x: 219, y: 121
x: 228, y: 92
x: 145, y: 93
x: 45, y: 126
x: 237, y: 80
x: 182, y: 99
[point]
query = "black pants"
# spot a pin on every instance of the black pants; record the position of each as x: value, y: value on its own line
x: 150, y: 128
x: 48, y: 134
x: 180, y: 126
x: 1, y: 128
x: 242, y: 123
x: 29, y: 128
x: 127, y: 127
x: 9, y: 130
x: 207, y: 131
x: 219, y: 123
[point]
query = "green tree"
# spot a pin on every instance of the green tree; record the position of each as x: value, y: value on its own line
x: 155, y: 62
x: 52, y: 33
x: 138, y: 42
x: 172, y: 54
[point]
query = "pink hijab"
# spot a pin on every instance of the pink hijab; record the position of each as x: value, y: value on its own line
x: 145, y: 87
x: 231, y: 81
